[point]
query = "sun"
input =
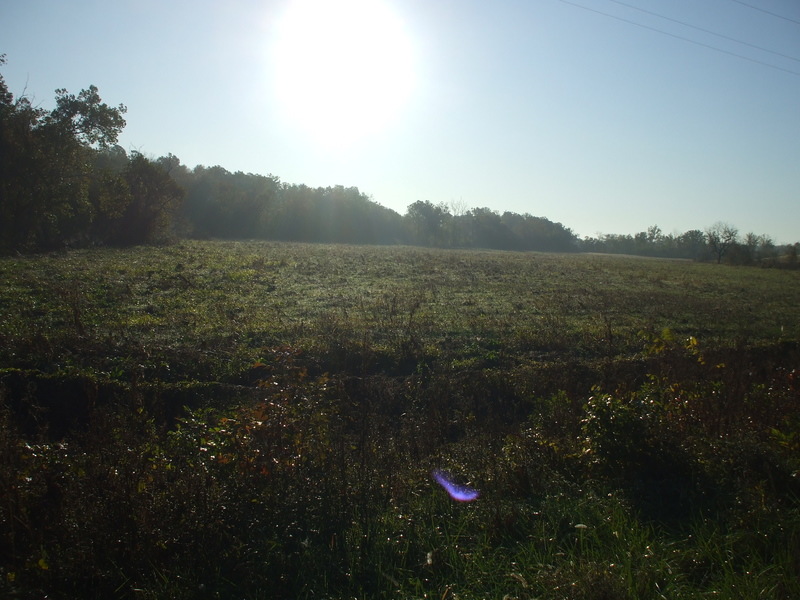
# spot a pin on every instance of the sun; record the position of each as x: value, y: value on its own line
x: 343, y: 68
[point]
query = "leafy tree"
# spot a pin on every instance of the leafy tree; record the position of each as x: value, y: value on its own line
x: 488, y: 229
x: 154, y: 200
x: 537, y: 233
x: 791, y: 254
x: 427, y: 220
x: 347, y: 215
x: 109, y: 194
x: 654, y: 235
x: 19, y: 166
x: 767, y: 247
x: 89, y: 121
x: 751, y: 250
x: 45, y: 171
x: 757, y: 247
x: 691, y: 244
x: 619, y: 244
x: 333, y: 214
x: 224, y: 204
x: 642, y: 245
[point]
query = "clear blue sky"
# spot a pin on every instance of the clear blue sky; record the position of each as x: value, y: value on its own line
x: 587, y: 116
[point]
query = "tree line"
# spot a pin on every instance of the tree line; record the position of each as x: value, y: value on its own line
x: 720, y: 243
x: 64, y: 182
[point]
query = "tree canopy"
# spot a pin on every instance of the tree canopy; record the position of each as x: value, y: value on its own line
x: 64, y: 181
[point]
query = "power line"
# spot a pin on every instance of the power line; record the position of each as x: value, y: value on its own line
x: 765, y: 11
x: 680, y: 37
x: 705, y: 30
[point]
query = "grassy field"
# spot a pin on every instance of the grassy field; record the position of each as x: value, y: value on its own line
x: 257, y: 420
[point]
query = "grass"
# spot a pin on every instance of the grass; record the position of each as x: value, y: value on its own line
x: 218, y: 304
x: 260, y: 420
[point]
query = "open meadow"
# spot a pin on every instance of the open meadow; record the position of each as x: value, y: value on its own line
x: 260, y: 420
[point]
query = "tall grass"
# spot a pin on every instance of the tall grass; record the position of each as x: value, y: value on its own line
x: 261, y: 420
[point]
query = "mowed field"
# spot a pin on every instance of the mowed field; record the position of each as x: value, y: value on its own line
x: 253, y: 419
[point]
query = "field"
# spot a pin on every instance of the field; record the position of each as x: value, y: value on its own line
x: 259, y: 420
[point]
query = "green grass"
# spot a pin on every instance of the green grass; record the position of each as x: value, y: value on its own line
x: 210, y: 308
x: 260, y: 420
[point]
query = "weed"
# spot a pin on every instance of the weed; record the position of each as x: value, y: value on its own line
x: 261, y: 420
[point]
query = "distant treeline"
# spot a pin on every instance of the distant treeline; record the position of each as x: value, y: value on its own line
x: 720, y: 243
x: 242, y: 205
x: 64, y: 182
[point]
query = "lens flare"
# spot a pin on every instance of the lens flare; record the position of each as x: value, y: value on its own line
x: 462, y: 493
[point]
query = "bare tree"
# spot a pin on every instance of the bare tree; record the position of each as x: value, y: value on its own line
x: 721, y: 237
x: 458, y: 208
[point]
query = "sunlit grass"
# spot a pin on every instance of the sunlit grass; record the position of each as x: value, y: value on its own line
x: 468, y: 307
x: 261, y: 420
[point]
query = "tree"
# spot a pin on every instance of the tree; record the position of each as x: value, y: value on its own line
x: 537, y: 233
x: 488, y: 229
x: 720, y: 238
x: 791, y: 254
x: 154, y: 200
x: 767, y: 247
x: 109, y: 194
x: 458, y: 226
x: 45, y: 171
x: 750, y: 246
x: 427, y: 220
x: 692, y: 244
x: 90, y: 121
x: 19, y: 167
x: 654, y: 235
x: 224, y: 204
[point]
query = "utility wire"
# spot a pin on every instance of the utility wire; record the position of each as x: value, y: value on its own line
x: 704, y: 30
x: 766, y: 11
x: 680, y: 37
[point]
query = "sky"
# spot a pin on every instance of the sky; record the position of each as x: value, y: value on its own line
x: 605, y: 116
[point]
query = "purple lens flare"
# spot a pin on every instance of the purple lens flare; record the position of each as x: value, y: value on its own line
x: 462, y: 493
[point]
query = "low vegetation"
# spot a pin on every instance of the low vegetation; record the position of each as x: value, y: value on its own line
x: 260, y: 420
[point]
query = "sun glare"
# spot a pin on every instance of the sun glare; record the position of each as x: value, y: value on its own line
x: 343, y: 68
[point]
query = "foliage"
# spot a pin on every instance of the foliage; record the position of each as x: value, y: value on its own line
x: 154, y: 200
x: 226, y: 205
x: 65, y: 183
x: 331, y: 215
x: 86, y: 118
x: 720, y: 242
x: 260, y: 420
x: 427, y: 221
